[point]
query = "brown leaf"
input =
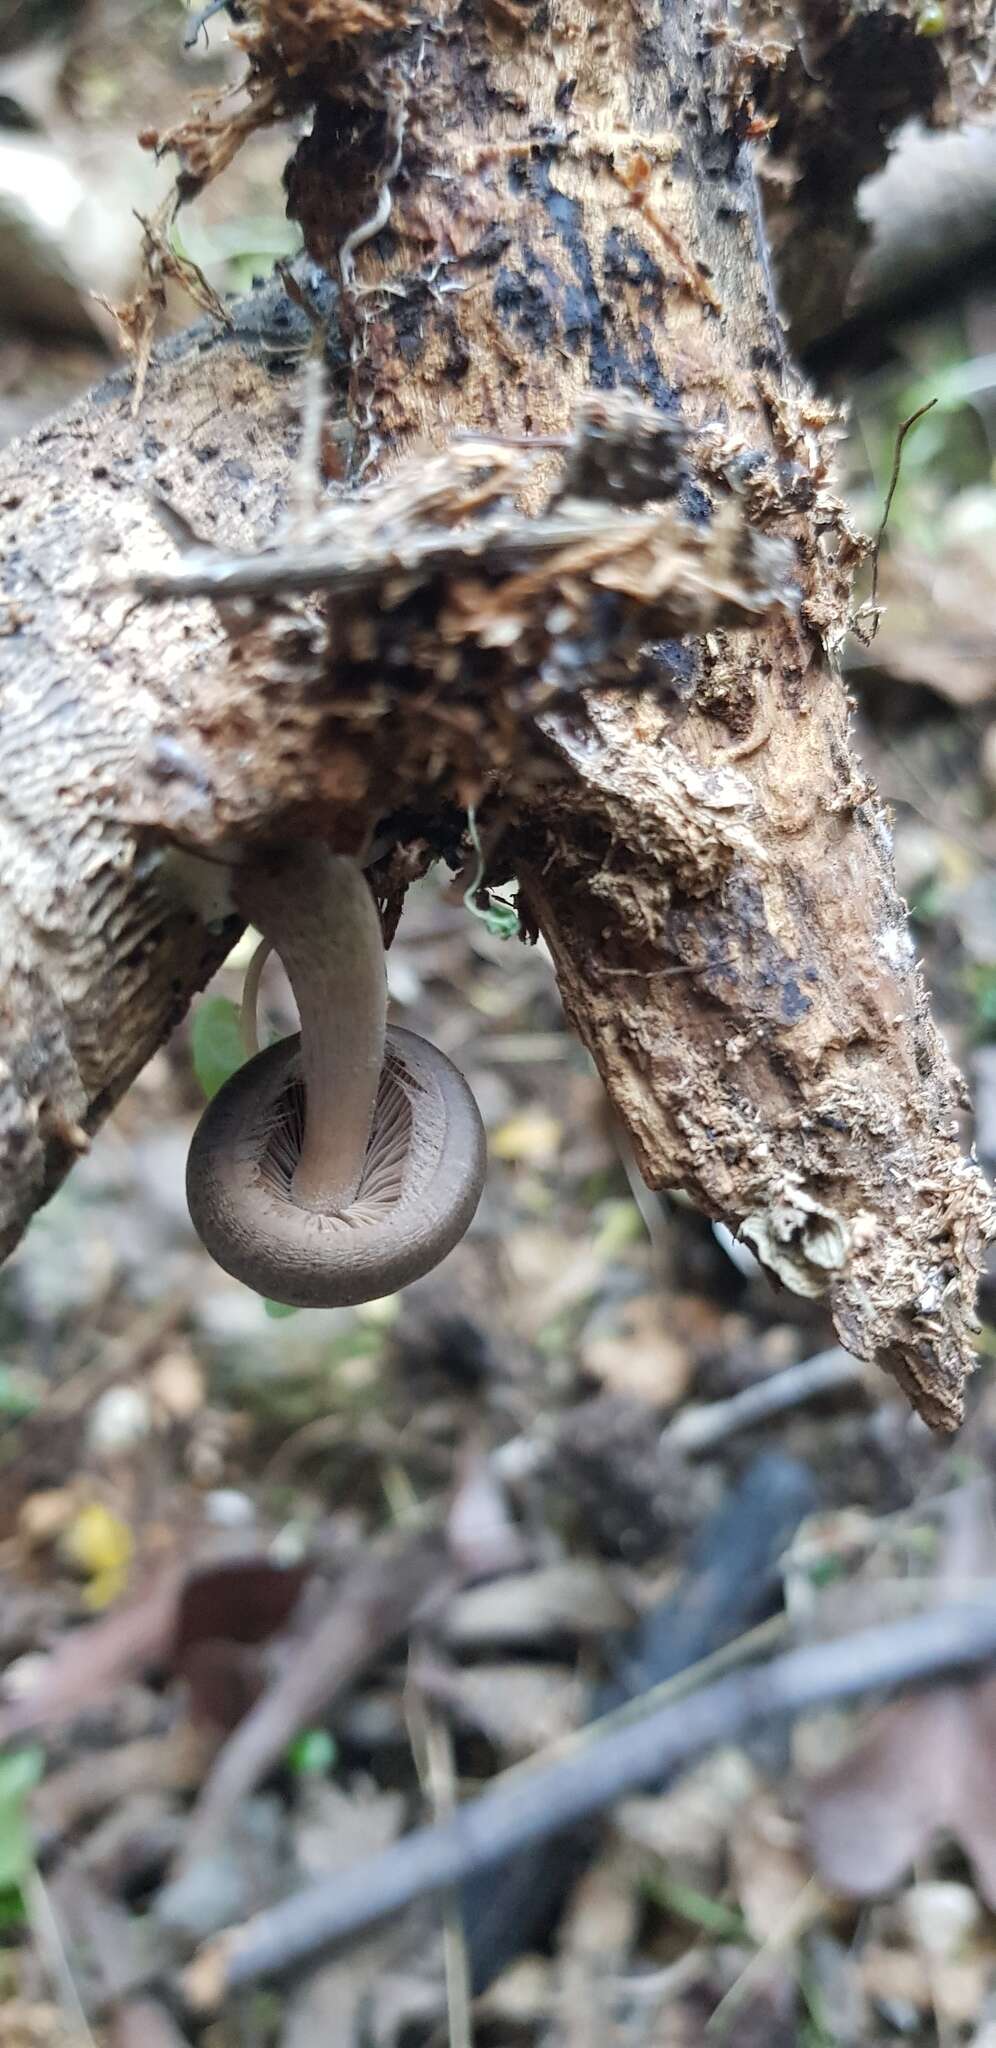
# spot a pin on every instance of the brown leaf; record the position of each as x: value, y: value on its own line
x: 240, y: 1600
x: 174, y: 1762
x: 638, y: 1356
x: 224, y: 1680
x: 770, y: 1873
x: 373, y: 1604
x: 928, y: 1767
x: 482, y: 1536
x: 243, y: 1600
x: 144, y: 2023
x: 89, y: 1662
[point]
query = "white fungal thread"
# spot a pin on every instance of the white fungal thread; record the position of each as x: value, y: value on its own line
x: 397, y: 123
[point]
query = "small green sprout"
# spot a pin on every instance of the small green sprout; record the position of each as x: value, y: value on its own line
x: 500, y: 918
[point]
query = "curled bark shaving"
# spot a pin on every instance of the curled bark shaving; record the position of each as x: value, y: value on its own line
x: 521, y: 209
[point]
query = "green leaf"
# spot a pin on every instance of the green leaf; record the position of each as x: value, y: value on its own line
x: 277, y: 1310
x: 19, y: 1773
x: 216, y: 1043
x: 686, y: 1903
x: 13, y: 1912
x: 17, y: 1396
x: 500, y: 917
x: 312, y: 1754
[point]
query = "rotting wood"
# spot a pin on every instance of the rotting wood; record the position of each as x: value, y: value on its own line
x: 713, y: 820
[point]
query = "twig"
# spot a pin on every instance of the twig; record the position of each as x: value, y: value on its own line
x: 897, y: 460
x: 47, y: 1937
x: 795, y: 1920
x: 543, y: 1802
x: 700, y: 1427
x: 433, y: 1751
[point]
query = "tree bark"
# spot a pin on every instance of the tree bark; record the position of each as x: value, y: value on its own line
x: 572, y: 210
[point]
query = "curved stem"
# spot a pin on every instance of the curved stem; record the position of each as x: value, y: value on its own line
x: 249, y: 1012
x: 316, y: 911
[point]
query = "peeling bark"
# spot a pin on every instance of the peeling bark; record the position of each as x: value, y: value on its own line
x: 566, y: 205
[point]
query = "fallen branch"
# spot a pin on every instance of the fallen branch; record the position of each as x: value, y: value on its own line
x: 531, y: 1805
x: 703, y: 1424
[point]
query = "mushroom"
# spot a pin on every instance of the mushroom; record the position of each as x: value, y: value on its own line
x: 347, y: 1160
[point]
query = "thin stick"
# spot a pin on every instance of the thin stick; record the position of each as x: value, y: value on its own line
x: 507, y: 1818
x: 432, y: 1748
x: 809, y: 1902
x: 700, y: 1428
x: 897, y: 460
x: 47, y: 1937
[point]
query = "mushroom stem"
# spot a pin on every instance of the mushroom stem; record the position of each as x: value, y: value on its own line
x: 316, y: 911
x: 249, y: 1014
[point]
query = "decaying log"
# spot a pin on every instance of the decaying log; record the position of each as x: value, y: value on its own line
x: 562, y: 206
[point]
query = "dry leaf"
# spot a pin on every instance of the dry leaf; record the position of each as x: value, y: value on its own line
x: 688, y: 1826
x: 927, y: 1765
x: 240, y: 1600
x: 955, y: 1991
x: 530, y: 1138
x: 639, y: 1357
x: 100, y: 1545
x: 176, y: 1384
x: 770, y: 1872
x: 575, y: 1598
x: 44, y: 1516
x: 482, y: 1536
x: 521, y: 1707
x: 90, y: 1662
x: 243, y: 1600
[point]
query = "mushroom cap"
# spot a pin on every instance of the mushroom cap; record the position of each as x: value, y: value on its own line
x: 421, y: 1183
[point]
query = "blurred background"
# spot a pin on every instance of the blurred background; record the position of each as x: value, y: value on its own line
x: 589, y: 1346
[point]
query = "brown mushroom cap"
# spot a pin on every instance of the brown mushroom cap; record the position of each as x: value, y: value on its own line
x: 421, y: 1181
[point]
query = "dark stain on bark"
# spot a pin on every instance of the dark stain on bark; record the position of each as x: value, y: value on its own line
x: 652, y: 50
x: 626, y: 261
x: 647, y: 376
x: 523, y: 304
x: 457, y: 359
x: 695, y: 504
x: 331, y: 179
x: 407, y: 316
x: 739, y: 920
x: 491, y: 245
x: 566, y: 220
x: 577, y: 324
